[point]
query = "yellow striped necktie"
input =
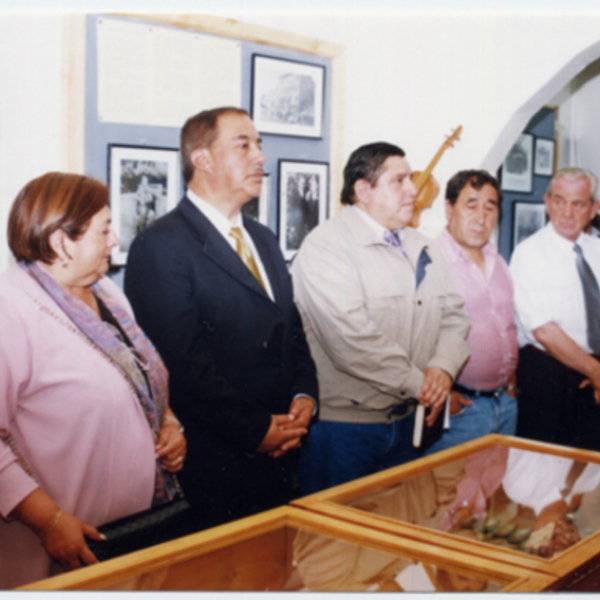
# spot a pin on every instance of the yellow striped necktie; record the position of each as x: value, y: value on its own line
x: 245, y: 253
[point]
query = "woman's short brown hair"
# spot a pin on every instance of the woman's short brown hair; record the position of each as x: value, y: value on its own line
x: 50, y: 202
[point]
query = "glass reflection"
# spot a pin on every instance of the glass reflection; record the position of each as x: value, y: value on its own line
x: 326, y: 564
x: 528, y: 501
x: 293, y: 559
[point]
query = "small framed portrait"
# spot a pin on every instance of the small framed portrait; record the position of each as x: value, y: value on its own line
x: 287, y: 97
x: 528, y: 217
x: 144, y: 185
x: 303, y: 195
x: 517, y: 171
x: 258, y: 208
x: 543, y: 163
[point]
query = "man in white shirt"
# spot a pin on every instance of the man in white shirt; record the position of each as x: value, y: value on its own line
x: 212, y: 291
x: 556, y: 273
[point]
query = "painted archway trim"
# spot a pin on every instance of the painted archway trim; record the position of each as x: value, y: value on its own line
x: 521, y: 117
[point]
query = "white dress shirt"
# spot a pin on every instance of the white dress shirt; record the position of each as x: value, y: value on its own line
x: 223, y: 225
x: 537, y: 480
x: 548, y: 287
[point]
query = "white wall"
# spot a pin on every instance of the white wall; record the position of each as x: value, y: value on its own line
x: 410, y: 77
x: 578, y: 123
x: 30, y: 124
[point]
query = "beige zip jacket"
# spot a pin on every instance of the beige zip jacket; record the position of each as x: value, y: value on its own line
x: 370, y: 331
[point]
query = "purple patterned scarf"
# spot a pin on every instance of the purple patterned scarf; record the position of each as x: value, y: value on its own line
x: 102, y: 335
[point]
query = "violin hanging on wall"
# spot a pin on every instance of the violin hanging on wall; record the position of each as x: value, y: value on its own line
x: 427, y: 186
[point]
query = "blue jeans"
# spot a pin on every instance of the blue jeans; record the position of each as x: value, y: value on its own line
x: 335, y: 453
x: 485, y: 415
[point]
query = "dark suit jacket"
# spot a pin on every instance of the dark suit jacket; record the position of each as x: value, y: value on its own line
x: 234, y: 356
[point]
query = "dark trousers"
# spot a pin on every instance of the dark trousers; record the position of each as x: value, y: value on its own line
x: 224, y: 484
x: 552, y: 408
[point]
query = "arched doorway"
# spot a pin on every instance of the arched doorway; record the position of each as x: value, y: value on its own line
x: 575, y: 91
x: 519, y: 120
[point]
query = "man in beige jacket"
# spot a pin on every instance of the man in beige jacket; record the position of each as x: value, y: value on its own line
x: 383, y: 321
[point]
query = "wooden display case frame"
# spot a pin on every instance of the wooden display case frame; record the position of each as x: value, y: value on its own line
x: 147, y: 569
x: 583, y: 557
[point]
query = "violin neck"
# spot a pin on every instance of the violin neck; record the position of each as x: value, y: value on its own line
x: 422, y: 178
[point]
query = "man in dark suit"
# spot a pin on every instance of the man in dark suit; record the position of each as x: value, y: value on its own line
x: 212, y: 291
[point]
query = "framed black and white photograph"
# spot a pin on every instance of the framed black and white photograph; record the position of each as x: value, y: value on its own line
x: 303, y: 193
x: 287, y: 97
x: 528, y: 217
x: 144, y: 185
x: 258, y: 208
x: 543, y: 163
x: 517, y: 171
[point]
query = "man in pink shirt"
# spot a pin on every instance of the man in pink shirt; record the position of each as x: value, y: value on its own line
x: 482, y: 400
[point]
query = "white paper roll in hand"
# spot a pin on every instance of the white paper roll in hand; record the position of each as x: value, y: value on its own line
x: 419, y: 423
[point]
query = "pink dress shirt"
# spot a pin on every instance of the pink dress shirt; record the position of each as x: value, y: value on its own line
x: 490, y: 305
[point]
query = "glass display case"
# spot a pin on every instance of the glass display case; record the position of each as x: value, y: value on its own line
x: 288, y: 549
x: 508, y: 499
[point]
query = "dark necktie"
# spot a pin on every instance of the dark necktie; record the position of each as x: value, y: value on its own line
x: 423, y: 261
x: 391, y: 237
x: 591, y: 294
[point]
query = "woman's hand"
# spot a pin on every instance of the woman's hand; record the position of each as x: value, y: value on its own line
x: 171, y: 447
x: 66, y: 543
x: 61, y: 532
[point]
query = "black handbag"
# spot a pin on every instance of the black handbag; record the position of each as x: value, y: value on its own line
x: 153, y: 526
x: 156, y: 525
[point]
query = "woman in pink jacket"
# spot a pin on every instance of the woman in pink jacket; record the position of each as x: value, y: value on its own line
x: 86, y: 434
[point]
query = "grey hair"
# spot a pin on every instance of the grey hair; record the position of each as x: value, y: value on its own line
x: 573, y: 174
